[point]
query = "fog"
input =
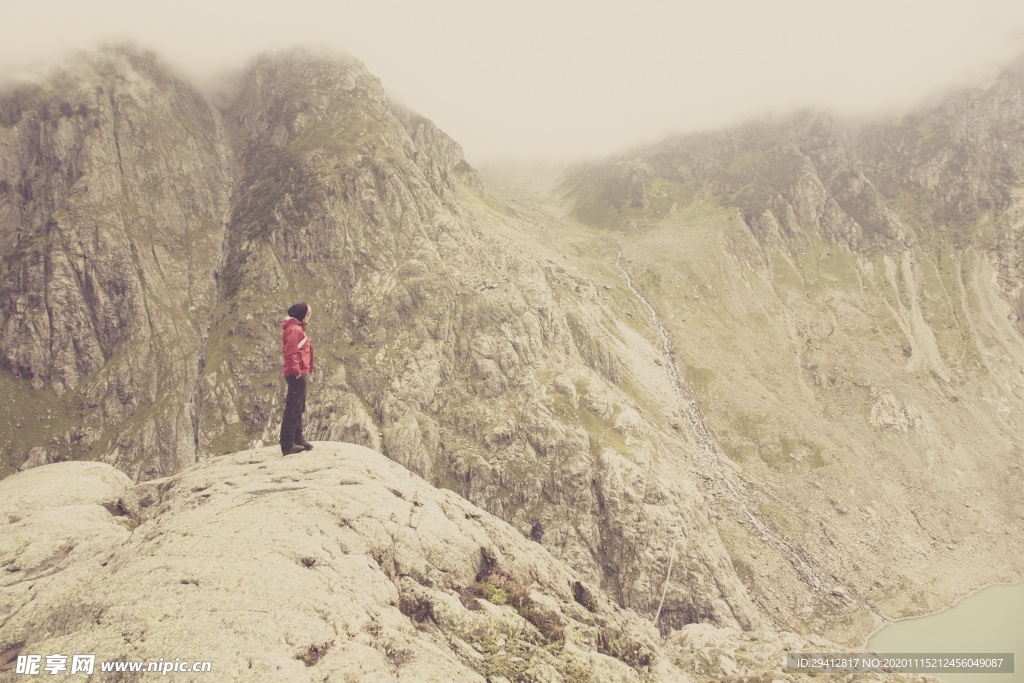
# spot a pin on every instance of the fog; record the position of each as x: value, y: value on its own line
x: 570, y: 79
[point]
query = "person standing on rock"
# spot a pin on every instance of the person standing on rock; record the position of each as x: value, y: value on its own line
x: 298, y: 364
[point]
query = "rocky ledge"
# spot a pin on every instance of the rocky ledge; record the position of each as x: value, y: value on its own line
x: 337, y: 564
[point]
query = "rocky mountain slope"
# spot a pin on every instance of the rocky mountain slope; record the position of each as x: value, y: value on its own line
x: 337, y: 564
x: 763, y: 379
x: 844, y: 304
x: 440, y: 342
x: 113, y: 197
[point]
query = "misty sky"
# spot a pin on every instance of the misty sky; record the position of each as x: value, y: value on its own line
x: 564, y: 79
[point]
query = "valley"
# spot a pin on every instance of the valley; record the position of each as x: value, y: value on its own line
x: 767, y: 379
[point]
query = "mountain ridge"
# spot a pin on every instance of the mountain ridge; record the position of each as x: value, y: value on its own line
x: 837, y: 359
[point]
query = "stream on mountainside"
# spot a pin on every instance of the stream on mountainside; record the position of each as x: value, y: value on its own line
x: 989, y: 621
x: 720, y: 484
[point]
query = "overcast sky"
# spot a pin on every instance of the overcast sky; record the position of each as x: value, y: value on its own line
x: 564, y: 79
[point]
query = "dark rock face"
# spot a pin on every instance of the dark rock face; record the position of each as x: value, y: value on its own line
x: 111, y: 226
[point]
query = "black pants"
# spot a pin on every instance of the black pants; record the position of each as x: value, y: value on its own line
x: 294, y: 407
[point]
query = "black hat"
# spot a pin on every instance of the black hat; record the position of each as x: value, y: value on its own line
x: 298, y: 311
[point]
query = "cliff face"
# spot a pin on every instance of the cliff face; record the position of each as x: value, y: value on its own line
x: 845, y: 304
x: 113, y: 198
x: 340, y: 564
x: 957, y: 169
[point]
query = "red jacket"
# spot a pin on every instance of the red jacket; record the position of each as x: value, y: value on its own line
x: 297, y: 348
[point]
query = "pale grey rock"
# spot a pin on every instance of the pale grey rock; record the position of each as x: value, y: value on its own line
x: 887, y: 413
x: 337, y: 563
x: 51, y: 517
x: 59, y: 485
x: 629, y: 424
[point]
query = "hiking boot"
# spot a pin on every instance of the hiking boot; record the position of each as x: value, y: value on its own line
x: 306, y: 446
x: 292, y: 450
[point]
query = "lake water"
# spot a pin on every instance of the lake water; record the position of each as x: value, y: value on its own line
x: 991, y: 620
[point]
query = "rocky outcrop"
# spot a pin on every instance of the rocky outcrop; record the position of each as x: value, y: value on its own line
x: 887, y: 413
x: 790, y: 180
x: 113, y: 194
x: 335, y: 564
x: 957, y: 159
x: 936, y: 174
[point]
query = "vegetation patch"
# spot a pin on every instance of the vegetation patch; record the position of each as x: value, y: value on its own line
x: 311, y: 656
x: 469, y: 600
x: 416, y: 607
x: 506, y: 655
x: 500, y: 588
x: 700, y: 379
x: 577, y: 672
x: 31, y: 418
x: 490, y: 592
x: 624, y: 648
